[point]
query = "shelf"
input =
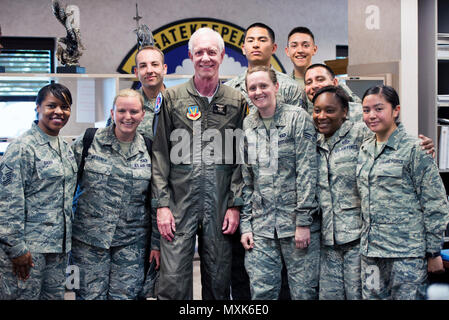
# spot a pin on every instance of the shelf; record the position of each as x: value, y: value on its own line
x: 8, y: 76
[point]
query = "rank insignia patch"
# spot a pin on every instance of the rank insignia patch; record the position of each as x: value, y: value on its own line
x: 6, y: 175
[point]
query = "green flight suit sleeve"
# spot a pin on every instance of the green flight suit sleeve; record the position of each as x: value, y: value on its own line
x: 160, y: 158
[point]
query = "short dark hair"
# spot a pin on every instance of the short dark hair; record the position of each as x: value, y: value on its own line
x: 300, y: 30
x: 320, y: 65
x: 338, y: 92
x: 388, y: 93
x: 264, y: 26
x: 58, y: 90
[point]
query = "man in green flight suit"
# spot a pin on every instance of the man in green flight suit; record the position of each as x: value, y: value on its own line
x: 197, y: 186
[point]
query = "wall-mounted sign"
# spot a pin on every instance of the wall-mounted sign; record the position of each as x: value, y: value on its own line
x: 173, y: 40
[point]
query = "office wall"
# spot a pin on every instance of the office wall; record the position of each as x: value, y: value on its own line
x: 383, y: 39
x: 107, y: 25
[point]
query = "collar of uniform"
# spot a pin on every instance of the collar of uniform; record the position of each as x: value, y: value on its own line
x: 278, y: 118
x: 396, y: 137
x: 392, y: 142
x: 107, y: 137
x: 337, y: 136
x: 147, y: 103
x: 41, y: 136
x: 191, y: 89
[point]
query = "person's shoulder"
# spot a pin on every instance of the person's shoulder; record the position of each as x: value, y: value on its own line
x: 28, y: 138
x: 176, y: 90
x: 232, y: 93
x: 236, y: 81
x: 294, y: 110
x: 285, y: 79
x: 25, y: 143
x: 250, y: 120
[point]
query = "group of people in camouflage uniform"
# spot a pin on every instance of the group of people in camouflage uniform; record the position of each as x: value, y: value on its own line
x: 319, y: 203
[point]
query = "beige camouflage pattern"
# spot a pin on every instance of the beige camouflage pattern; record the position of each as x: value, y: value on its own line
x: 284, y: 199
x: 341, y: 220
x: 299, y: 80
x: 394, y: 278
x: 46, y: 282
x: 404, y: 205
x: 337, y: 193
x: 340, y: 277
x: 263, y: 264
x: 289, y: 92
x: 278, y: 200
x: 36, y: 191
x: 111, y: 210
x: 109, y: 274
x: 146, y: 126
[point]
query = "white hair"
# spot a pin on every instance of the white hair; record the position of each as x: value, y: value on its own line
x: 206, y: 30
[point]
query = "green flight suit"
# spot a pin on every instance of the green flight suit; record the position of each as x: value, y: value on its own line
x: 197, y: 191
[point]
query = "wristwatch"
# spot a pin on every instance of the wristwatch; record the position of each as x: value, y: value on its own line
x: 433, y: 254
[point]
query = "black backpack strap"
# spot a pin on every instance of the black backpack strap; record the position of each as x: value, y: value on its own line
x: 156, y: 118
x: 87, y: 141
x: 148, y: 143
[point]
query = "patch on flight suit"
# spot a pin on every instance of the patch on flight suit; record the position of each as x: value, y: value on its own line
x: 193, y: 113
x: 219, y: 109
x: 6, y: 174
x: 157, y: 107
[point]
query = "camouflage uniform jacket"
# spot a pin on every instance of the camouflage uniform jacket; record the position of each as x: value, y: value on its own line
x: 36, y: 192
x: 146, y: 126
x: 279, y: 196
x: 112, y: 208
x: 404, y: 206
x: 300, y: 81
x: 337, y: 193
x: 217, y: 186
x: 289, y: 91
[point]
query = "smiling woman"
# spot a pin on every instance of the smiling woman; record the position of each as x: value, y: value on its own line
x: 279, y: 224
x: 53, y: 109
x: 112, y: 218
x: 38, y: 175
x: 127, y: 113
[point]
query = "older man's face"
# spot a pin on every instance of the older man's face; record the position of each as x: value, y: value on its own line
x: 206, y: 56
